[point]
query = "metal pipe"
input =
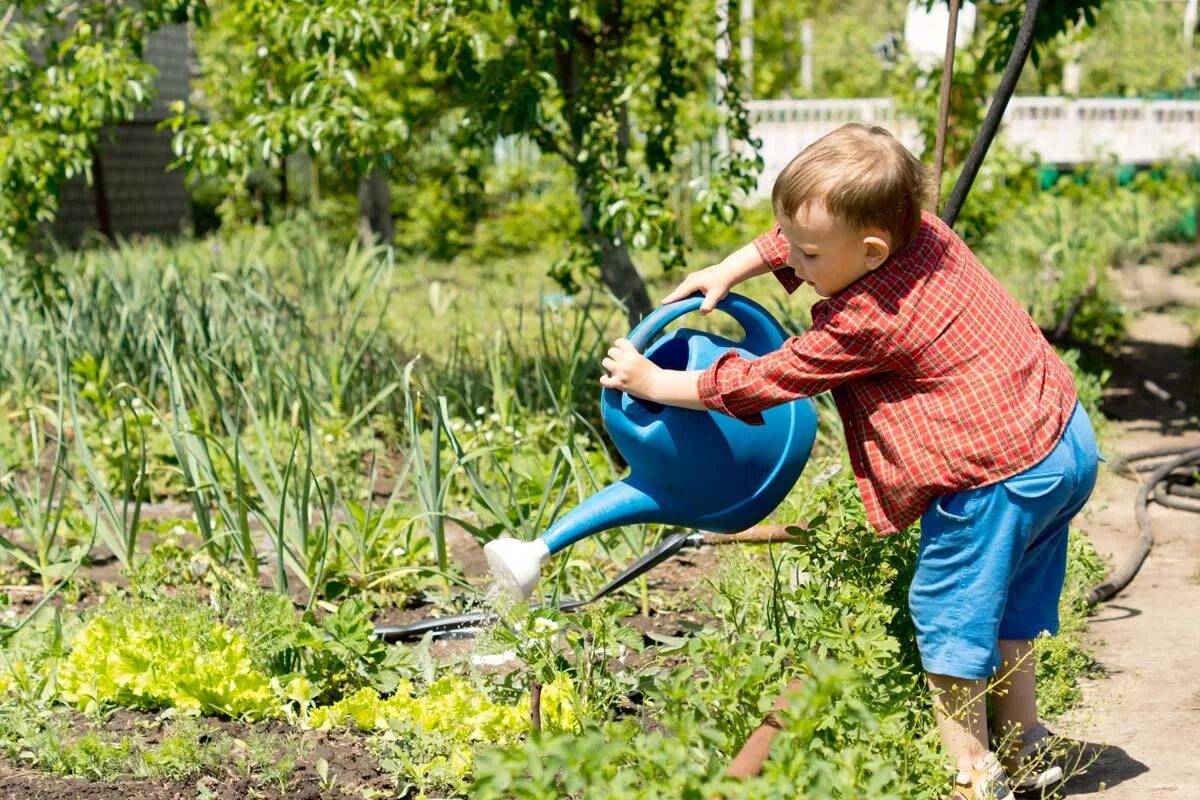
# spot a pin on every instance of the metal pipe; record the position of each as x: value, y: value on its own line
x: 991, y: 123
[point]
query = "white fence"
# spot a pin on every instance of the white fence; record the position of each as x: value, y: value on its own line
x: 1056, y: 130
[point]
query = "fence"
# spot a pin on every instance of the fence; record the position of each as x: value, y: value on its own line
x: 1057, y: 131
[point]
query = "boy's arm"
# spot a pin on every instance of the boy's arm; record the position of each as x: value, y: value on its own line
x: 773, y: 249
x: 715, y: 282
x: 840, y: 349
x: 629, y: 371
x: 821, y: 359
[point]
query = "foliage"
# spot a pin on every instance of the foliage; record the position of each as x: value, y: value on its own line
x: 50, y: 123
x: 167, y: 656
x: 44, y: 740
x: 851, y: 47
x: 430, y: 737
x: 1063, y: 242
x: 1116, y: 56
x: 587, y: 649
x: 1061, y: 662
x: 1006, y: 182
x: 611, y: 90
x: 317, y: 662
x: 336, y: 82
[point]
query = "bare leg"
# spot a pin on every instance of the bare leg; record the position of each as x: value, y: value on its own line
x: 1014, y: 696
x: 961, y: 713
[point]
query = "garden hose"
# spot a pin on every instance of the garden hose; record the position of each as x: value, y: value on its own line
x: 991, y: 123
x: 668, y: 547
x: 470, y: 622
x: 1174, y: 484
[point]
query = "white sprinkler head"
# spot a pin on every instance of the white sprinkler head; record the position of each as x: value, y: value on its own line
x: 516, y: 565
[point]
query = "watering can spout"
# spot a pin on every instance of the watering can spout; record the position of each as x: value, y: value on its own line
x: 516, y: 565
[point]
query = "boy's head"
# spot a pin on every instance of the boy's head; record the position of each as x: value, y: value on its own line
x: 846, y: 203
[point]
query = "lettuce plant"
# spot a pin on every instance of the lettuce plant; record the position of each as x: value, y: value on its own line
x: 127, y: 656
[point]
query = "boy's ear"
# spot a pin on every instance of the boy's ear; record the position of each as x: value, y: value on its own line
x: 875, y: 251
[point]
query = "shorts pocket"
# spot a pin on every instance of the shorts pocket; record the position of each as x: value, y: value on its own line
x: 1034, y: 485
x: 958, y: 507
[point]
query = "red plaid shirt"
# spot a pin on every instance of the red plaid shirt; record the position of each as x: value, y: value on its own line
x: 942, y: 380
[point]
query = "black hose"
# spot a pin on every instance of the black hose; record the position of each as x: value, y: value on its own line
x: 1155, y: 488
x: 467, y: 622
x: 991, y: 123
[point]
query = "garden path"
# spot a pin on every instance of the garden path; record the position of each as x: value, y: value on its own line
x: 1146, y: 706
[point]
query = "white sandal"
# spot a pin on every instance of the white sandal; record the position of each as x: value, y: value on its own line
x: 985, y: 781
x: 1032, y: 768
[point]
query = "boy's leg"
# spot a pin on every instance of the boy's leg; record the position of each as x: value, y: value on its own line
x: 1014, y: 696
x: 961, y: 712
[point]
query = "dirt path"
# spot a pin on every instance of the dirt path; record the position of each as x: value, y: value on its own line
x: 1146, y: 707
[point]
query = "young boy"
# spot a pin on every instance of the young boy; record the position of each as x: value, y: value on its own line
x: 956, y: 411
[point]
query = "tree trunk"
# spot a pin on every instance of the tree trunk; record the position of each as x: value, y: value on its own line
x: 622, y: 278
x: 617, y: 270
x: 375, y: 209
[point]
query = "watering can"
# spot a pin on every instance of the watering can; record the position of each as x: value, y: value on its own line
x: 688, y: 468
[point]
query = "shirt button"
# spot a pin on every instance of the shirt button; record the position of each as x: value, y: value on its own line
x: 777, y: 261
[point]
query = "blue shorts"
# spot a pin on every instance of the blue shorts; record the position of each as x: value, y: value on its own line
x: 991, y: 561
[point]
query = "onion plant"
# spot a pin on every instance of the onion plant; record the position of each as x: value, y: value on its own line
x: 38, y: 504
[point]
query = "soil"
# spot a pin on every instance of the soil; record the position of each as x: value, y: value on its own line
x: 351, y: 769
x: 1140, y: 720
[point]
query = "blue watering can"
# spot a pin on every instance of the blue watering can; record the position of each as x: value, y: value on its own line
x: 695, y: 469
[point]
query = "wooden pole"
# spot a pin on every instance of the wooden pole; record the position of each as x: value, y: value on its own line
x: 939, y: 149
x: 750, y: 759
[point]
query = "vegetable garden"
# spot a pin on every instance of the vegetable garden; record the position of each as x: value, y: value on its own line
x: 227, y: 459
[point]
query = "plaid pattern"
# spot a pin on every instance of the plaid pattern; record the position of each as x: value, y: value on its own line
x: 943, y: 382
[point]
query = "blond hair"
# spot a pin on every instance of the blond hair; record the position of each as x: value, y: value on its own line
x: 862, y: 176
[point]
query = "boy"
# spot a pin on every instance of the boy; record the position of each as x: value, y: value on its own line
x: 956, y: 411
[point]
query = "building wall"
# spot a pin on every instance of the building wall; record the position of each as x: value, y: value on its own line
x: 143, y: 197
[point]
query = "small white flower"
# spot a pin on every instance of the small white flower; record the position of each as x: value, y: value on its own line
x: 479, y: 411
x: 456, y: 425
x: 509, y: 429
x: 136, y: 402
x: 494, y: 417
x: 398, y: 551
x: 107, y: 442
x: 329, y: 438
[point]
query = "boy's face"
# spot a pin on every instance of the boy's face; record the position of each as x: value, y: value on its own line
x: 828, y: 255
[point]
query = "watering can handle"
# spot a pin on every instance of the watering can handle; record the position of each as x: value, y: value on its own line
x: 756, y: 320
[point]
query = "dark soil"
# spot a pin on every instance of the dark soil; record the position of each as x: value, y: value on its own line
x: 351, y: 770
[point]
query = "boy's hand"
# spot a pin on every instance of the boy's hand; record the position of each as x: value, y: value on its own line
x: 629, y: 371
x: 715, y: 282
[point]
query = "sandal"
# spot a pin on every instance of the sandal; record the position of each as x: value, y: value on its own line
x: 1032, y: 767
x: 984, y: 781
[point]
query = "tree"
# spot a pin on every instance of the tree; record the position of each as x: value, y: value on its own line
x: 350, y: 83
x: 69, y: 70
x: 618, y: 90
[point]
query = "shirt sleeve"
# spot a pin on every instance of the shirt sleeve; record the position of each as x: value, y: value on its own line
x: 838, y: 350
x: 773, y: 248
